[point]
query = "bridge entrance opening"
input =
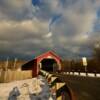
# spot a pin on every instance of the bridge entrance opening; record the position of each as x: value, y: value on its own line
x: 49, y: 65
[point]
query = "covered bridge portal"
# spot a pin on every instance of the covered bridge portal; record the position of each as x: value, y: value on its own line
x: 48, y: 61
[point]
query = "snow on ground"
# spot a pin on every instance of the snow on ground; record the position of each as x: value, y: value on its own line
x: 30, y: 89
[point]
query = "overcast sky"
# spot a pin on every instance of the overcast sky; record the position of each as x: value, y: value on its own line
x: 69, y: 27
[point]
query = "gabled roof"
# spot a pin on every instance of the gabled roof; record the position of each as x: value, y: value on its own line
x: 31, y: 62
x: 51, y: 52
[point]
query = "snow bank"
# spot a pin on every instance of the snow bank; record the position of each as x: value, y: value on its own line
x: 30, y: 89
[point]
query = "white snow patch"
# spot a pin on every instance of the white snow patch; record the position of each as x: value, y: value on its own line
x: 91, y: 74
x: 76, y: 73
x: 82, y: 74
x: 33, y: 86
x: 98, y: 75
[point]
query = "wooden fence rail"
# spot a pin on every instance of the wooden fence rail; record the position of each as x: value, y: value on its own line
x: 8, y: 76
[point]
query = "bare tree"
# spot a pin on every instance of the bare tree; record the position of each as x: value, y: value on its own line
x: 97, y: 51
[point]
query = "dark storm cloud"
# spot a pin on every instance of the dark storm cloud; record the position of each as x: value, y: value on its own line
x: 24, y: 27
x: 15, y: 10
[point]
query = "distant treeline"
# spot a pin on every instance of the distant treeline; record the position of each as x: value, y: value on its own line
x: 93, y: 65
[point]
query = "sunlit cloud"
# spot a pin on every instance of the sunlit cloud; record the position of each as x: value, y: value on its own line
x: 48, y: 35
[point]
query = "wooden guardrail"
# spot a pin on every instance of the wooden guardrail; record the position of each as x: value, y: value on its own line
x: 58, y: 88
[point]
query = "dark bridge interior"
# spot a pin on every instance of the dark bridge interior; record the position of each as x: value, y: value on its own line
x: 49, y: 65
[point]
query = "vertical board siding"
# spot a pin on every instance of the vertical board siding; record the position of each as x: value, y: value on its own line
x: 8, y: 76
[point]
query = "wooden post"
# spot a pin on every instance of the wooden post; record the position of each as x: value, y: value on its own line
x: 6, y: 65
x: 15, y: 63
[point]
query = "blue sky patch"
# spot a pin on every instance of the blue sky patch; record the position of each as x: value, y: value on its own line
x: 36, y: 2
x: 98, y: 13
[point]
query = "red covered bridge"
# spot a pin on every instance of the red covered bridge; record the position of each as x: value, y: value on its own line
x: 48, y: 61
